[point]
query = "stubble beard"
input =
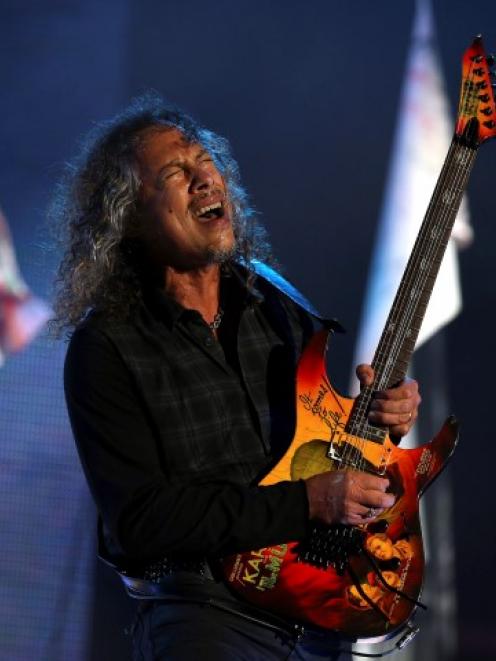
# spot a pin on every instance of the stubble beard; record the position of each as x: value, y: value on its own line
x: 221, y: 255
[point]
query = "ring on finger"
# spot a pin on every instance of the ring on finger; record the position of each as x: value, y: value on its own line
x: 370, y: 513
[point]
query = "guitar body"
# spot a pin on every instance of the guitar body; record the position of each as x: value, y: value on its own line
x: 364, y: 582
x: 348, y: 595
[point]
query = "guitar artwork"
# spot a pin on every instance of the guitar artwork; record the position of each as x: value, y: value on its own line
x: 365, y: 581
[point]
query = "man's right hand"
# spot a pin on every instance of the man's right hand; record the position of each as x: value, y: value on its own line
x: 348, y: 497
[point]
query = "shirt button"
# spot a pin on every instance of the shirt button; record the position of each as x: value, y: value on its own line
x: 208, y: 341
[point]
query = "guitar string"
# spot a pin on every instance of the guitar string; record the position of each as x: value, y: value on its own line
x: 434, y: 256
x: 412, y: 306
x: 464, y: 93
x: 392, y: 346
x: 360, y: 422
x: 456, y: 173
x: 413, y: 287
x: 464, y: 163
x: 388, y: 355
x: 433, y: 247
x: 463, y: 170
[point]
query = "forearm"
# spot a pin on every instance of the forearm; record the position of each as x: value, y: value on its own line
x: 211, y: 518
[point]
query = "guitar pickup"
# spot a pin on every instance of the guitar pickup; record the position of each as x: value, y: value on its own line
x: 360, y: 453
x: 342, y: 449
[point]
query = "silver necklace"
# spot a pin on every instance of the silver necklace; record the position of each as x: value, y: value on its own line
x: 214, y: 325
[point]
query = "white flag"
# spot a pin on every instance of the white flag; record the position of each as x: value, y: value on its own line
x: 422, y: 140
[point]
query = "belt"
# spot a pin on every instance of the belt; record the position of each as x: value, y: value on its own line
x: 192, y: 581
x: 189, y: 588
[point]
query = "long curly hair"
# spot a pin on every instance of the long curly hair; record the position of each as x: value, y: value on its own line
x: 94, y: 211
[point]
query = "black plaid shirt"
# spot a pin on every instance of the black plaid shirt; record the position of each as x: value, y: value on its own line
x: 174, y: 428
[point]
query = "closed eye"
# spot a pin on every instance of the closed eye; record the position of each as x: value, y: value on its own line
x: 171, y: 173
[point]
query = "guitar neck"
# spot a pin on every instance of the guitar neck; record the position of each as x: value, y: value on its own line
x: 400, y: 333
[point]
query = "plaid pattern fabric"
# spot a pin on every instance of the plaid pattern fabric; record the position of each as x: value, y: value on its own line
x: 210, y: 418
x: 174, y: 428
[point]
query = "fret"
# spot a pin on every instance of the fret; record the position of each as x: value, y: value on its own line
x: 402, y: 327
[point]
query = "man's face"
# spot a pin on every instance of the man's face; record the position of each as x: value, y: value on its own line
x: 186, y: 218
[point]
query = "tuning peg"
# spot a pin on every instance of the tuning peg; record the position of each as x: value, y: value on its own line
x: 477, y: 58
x: 484, y: 97
x: 482, y: 85
x: 490, y: 124
x: 490, y: 60
x: 487, y: 111
x: 479, y: 71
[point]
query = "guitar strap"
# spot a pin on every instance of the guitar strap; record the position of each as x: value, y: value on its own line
x: 274, y: 278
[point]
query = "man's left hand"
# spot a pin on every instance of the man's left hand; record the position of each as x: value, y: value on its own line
x: 396, y: 408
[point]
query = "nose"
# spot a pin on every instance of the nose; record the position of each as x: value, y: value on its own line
x: 201, y: 180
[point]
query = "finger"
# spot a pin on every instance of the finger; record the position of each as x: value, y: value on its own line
x: 357, y: 520
x: 356, y: 514
x: 362, y: 515
x: 366, y: 481
x: 377, y: 500
x: 403, y: 429
x: 369, y: 512
x: 398, y: 431
x: 391, y: 419
x: 394, y: 405
x: 365, y: 374
x: 405, y: 390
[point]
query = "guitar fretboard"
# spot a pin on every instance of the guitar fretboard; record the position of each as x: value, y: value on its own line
x: 400, y: 333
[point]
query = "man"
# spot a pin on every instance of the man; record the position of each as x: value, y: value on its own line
x: 180, y: 385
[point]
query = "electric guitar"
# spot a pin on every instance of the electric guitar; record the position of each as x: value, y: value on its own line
x: 365, y: 581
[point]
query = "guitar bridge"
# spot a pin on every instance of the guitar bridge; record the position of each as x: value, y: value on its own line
x: 331, y: 546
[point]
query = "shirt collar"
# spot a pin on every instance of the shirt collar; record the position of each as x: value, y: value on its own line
x: 234, y: 274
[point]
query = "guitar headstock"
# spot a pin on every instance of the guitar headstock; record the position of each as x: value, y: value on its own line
x: 476, y: 121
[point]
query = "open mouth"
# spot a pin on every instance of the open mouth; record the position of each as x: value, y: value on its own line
x: 210, y: 211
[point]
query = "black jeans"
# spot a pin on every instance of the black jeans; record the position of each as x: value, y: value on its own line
x: 170, y: 631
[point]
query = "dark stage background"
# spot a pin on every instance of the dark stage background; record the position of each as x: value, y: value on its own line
x: 307, y: 93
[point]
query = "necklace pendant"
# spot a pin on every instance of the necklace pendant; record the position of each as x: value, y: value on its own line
x: 214, y: 325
